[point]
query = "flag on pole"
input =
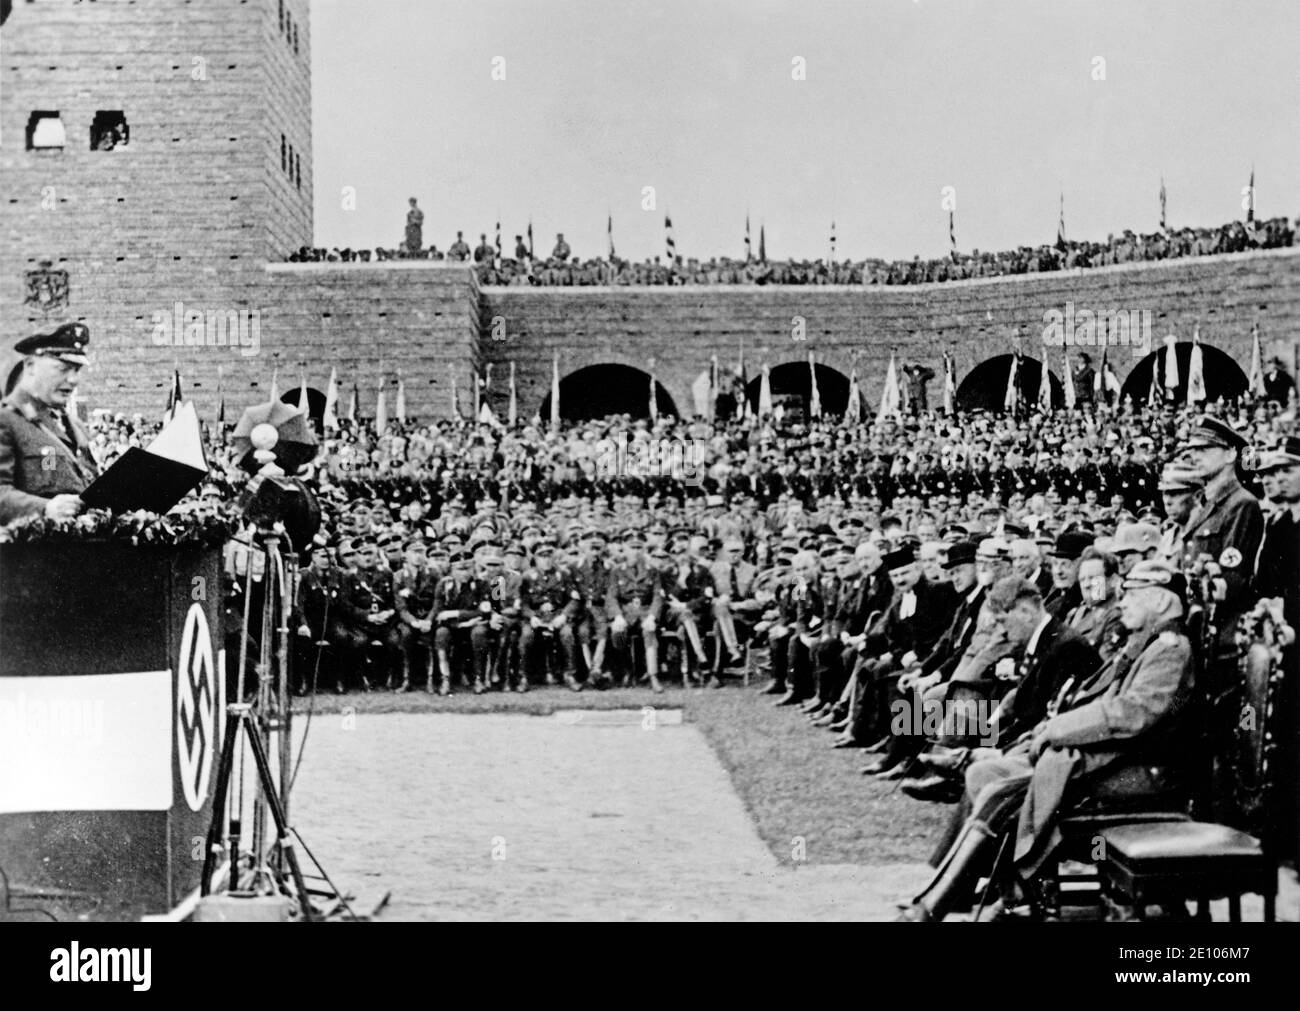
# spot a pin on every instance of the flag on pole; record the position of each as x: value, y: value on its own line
x: 832, y: 240
x: 654, y: 401
x: 715, y: 381
x: 174, y: 397
x: 1196, y: 371
x: 815, y: 401
x: 1250, y: 197
x: 762, y: 244
x: 670, y: 246
x: 555, y: 392
x: 1164, y: 226
x: 1153, y: 392
x: 1171, y: 363
x: 399, y: 404
x: 530, y: 238
x: 302, y: 393
x: 765, y: 392
x: 486, y: 416
x: 891, y: 400
x: 1060, y: 224
x: 1045, y: 389
x: 1011, y: 398
x: 1070, y: 398
x: 512, y: 412
x: 609, y: 232
x: 742, y: 380
x: 221, y: 406
x: 749, y: 252
x: 352, y: 405
x: 381, y: 410
x: 949, y: 384
x: 275, y: 384
x: 952, y: 234
x: 329, y: 419
x: 478, y: 394
x: 853, y: 410
x: 1111, y: 381
x: 399, y: 382
x: 1105, y: 382
x: 1255, y: 385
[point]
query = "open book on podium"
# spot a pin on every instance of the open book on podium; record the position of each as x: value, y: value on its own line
x: 157, y: 477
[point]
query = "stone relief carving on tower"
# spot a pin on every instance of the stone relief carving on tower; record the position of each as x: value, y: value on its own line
x: 47, y: 288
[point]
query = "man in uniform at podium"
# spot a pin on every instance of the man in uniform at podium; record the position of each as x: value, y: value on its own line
x: 45, y: 458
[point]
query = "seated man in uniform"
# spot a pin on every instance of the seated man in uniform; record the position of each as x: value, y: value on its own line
x: 552, y: 606
x: 462, y: 605
x: 734, y: 605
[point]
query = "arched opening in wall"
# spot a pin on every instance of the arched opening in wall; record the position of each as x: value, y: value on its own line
x: 984, y: 388
x: 598, y: 391
x: 792, y: 388
x: 1223, y: 376
x: 315, y: 403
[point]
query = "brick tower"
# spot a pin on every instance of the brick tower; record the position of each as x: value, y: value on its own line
x: 150, y: 154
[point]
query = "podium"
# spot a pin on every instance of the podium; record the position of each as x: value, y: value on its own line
x: 112, y: 706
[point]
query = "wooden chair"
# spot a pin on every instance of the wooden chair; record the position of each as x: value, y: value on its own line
x: 1143, y: 863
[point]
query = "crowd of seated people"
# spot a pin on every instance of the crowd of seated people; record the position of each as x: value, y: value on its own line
x: 562, y: 268
x: 1006, y: 614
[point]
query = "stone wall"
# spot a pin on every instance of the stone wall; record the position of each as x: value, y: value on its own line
x: 975, y: 320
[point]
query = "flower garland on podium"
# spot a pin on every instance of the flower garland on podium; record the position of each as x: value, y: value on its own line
x: 139, y: 529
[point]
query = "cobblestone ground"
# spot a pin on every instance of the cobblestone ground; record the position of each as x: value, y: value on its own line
x: 574, y: 816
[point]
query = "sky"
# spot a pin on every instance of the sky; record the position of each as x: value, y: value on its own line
x: 1012, y: 103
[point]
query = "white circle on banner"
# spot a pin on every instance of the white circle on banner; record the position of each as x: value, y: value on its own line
x: 196, y: 706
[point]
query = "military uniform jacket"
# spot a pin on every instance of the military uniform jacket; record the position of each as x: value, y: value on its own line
x: 556, y: 587
x: 36, y: 463
x: 1144, y: 684
x: 414, y: 592
x: 635, y: 583
x: 737, y: 586
x: 317, y: 595
x: 464, y: 597
x: 1100, y: 624
x: 801, y: 605
x: 363, y: 592
x: 592, y: 580
x: 506, y: 591
x: 1229, y: 529
x: 694, y: 588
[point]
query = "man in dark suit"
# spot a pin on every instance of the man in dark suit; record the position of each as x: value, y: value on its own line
x: 1064, y: 595
x: 45, y: 458
x: 1278, y: 384
x: 907, y: 630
